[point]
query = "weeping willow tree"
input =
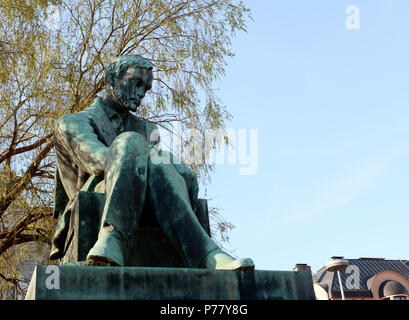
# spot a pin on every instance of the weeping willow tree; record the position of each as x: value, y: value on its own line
x: 52, y: 58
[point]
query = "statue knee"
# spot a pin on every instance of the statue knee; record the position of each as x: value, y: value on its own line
x: 129, y: 143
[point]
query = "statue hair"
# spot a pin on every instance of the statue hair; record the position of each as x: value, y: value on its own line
x: 120, y: 64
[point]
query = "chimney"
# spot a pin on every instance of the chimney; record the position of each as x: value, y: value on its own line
x: 337, y: 257
x: 302, y: 267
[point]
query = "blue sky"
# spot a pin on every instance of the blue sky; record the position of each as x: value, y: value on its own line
x: 331, y: 107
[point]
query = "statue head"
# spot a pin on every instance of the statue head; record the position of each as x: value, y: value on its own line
x: 129, y: 78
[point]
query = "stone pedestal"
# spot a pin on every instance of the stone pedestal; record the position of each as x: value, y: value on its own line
x: 140, y: 283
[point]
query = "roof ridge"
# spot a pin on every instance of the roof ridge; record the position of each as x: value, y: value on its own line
x: 377, y: 259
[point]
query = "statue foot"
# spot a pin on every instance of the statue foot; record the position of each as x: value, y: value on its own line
x: 72, y: 264
x: 243, y: 264
x: 220, y: 260
x: 107, y: 251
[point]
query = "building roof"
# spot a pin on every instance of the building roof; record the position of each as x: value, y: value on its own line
x: 367, y: 269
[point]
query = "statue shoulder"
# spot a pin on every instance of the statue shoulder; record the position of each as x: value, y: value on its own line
x: 151, y: 126
x: 70, y: 122
x: 152, y: 132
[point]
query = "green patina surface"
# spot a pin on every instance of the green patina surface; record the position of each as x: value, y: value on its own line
x: 107, y: 151
x: 135, y: 283
x: 123, y: 201
x: 152, y: 248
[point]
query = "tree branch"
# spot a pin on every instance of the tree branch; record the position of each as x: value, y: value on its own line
x: 23, y: 182
x: 30, y: 147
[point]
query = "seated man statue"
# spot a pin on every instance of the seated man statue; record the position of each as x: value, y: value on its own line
x: 121, y: 151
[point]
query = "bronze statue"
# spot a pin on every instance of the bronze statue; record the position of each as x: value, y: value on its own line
x: 108, y: 143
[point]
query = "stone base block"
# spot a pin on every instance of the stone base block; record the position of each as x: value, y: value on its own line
x: 140, y: 283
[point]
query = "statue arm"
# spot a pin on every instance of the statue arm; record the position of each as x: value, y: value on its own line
x: 76, y: 138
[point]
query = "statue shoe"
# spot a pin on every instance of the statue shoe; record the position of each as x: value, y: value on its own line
x: 108, y: 250
x: 220, y: 260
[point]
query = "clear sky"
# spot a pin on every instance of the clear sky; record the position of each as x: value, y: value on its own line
x: 331, y: 106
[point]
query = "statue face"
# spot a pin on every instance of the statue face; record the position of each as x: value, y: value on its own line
x: 132, y: 86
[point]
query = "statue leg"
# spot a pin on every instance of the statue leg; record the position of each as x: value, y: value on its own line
x: 129, y: 173
x: 125, y: 191
x: 169, y: 196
